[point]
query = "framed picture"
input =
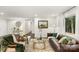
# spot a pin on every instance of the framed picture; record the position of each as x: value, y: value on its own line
x: 42, y: 24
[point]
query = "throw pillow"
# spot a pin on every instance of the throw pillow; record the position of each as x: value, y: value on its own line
x: 70, y: 43
x: 54, y: 34
x: 73, y: 41
x: 59, y: 36
x: 63, y: 40
x: 77, y: 41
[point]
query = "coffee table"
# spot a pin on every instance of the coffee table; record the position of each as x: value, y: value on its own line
x: 39, y: 44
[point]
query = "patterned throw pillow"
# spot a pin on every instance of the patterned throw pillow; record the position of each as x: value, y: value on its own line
x: 54, y: 34
x: 63, y: 40
x: 59, y: 36
x: 71, y: 42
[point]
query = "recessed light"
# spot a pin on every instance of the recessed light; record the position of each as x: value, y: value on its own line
x: 2, y: 13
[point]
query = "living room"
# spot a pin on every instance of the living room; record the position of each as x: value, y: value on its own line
x: 36, y: 26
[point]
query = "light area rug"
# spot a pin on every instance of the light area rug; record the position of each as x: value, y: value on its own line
x: 10, y: 50
x: 29, y: 47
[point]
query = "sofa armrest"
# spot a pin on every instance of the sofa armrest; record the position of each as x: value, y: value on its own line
x: 54, y: 44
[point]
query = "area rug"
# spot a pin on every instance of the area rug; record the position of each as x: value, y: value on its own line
x: 29, y: 47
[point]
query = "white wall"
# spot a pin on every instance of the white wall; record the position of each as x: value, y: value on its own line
x: 61, y: 22
x: 69, y: 13
x: 77, y: 23
x: 25, y: 25
x: 77, y: 20
x: 51, y: 22
x: 11, y: 24
x: 32, y: 25
x: 28, y: 26
x: 3, y: 27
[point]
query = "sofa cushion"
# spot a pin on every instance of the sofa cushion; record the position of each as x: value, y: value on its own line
x: 77, y: 41
x: 72, y: 42
x: 65, y: 47
x: 71, y: 48
x: 74, y: 47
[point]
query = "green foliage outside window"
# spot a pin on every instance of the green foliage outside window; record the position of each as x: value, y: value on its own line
x: 70, y: 24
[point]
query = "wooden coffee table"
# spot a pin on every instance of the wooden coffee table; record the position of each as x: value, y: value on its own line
x: 39, y: 44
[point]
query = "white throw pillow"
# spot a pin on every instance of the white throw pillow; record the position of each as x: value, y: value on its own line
x: 62, y: 39
x: 73, y: 41
x: 57, y: 35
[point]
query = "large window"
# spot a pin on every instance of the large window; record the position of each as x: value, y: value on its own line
x: 70, y: 24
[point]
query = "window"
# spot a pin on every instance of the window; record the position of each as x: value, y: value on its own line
x: 70, y: 24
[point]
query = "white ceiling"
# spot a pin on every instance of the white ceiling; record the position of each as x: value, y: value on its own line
x: 31, y: 11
